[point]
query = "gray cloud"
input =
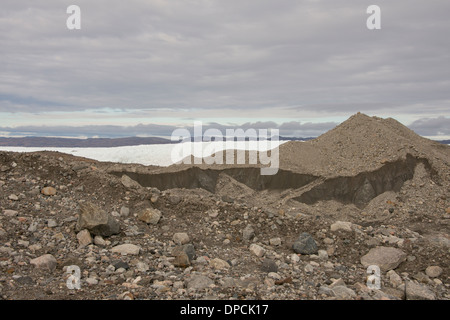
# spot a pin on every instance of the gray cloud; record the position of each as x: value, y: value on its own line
x: 295, y: 129
x: 432, y: 126
x: 315, y: 57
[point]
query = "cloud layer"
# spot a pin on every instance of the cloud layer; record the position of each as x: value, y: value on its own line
x: 278, y: 60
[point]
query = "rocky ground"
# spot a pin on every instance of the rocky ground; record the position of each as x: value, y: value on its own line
x: 235, y: 240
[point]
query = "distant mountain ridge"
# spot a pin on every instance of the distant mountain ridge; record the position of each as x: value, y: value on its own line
x: 37, y: 142
x: 80, y: 143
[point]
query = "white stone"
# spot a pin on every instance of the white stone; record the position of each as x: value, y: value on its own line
x: 295, y: 258
x: 126, y: 249
x: 275, y: 242
x: 150, y: 215
x: 181, y: 238
x: 99, y: 241
x: 51, y: 223
x: 323, y: 255
x: 218, y: 264
x: 341, y: 225
x: 394, y: 278
x: 10, y: 213
x: 433, y: 271
x: 84, y: 238
x: 274, y: 275
x: 257, y: 250
x: 309, y: 268
x: 13, y: 197
x: 91, y: 281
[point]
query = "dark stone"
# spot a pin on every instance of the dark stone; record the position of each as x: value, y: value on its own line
x: 174, y: 200
x: 269, y: 265
x: 188, y: 249
x: 305, y: 244
x: 227, y: 198
x: 26, y: 280
x: 96, y: 220
x: 120, y: 264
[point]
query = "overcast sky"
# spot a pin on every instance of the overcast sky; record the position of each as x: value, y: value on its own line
x: 143, y: 67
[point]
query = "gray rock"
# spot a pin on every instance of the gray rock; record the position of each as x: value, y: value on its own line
x: 257, y: 250
x: 344, y: 293
x: 48, y: 191
x: 129, y: 183
x: 174, y: 199
x: 337, y: 283
x: 433, y: 271
x: 326, y: 291
x: 124, y: 211
x: 96, y: 220
x: 309, y: 268
x: 394, y: 294
x: 46, y: 261
x: 51, y: 223
x: 198, y: 282
x: 13, y: 197
x: 305, y: 244
x: 218, y: 264
x: 25, y: 280
x: 181, y: 259
x: 323, y: 255
x: 79, y: 167
x: 187, y: 248
x: 120, y: 264
x: 268, y: 265
x: 190, y: 251
x: 248, y: 233
x: 364, y: 194
x: 184, y: 255
x: 275, y: 241
x: 181, y: 238
x: 10, y: 213
x: 415, y: 291
x: 213, y: 213
x: 126, y: 248
x: 394, y: 279
x: 84, y: 238
x: 341, y: 225
x: 142, y: 266
x: 91, y: 281
x: 99, y: 241
x: 387, y: 258
x: 150, y: 215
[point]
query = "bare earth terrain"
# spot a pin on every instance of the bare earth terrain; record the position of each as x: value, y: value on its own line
x: 369, y: 192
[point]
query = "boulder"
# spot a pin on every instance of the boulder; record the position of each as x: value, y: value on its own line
x: 96, y: 220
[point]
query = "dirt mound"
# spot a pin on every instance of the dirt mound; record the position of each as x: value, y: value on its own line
x: 354, y: 163
x: 360, y: 144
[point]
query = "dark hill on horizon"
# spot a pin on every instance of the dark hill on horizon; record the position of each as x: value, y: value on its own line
x: 37, y: 142
x: 80, y: 143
